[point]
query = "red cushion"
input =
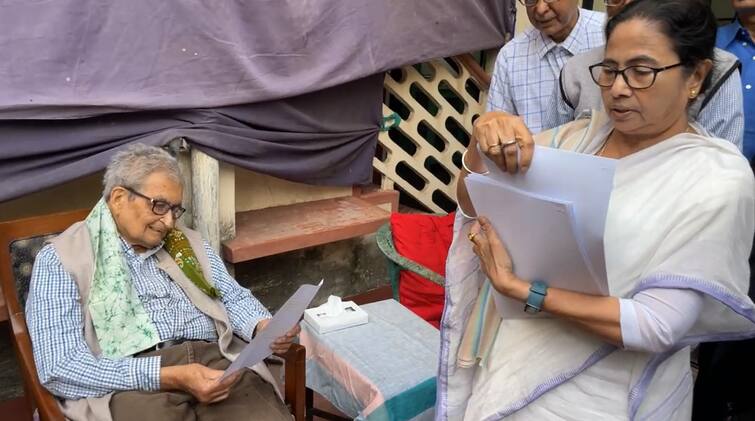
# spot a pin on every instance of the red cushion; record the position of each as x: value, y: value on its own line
x: 424, y: 239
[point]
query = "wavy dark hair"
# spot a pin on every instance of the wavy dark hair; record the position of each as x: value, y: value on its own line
x: 689, y: 24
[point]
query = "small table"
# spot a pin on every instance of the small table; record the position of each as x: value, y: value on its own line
x: 382, y: 370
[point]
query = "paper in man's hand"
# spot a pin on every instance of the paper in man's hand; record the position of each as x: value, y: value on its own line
x: 284, y: 320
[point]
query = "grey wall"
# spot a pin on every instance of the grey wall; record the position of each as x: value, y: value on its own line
x: 348, y: 267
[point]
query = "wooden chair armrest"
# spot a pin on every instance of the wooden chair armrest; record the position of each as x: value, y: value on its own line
x: 295, y: 380
x: 45, y: 401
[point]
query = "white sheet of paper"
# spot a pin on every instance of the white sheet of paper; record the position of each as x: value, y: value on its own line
x: 284, y: 320
x: 584, y: 180
x: 541, y: 237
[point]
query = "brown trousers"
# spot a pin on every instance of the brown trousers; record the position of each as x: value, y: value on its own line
x: 251, y: 398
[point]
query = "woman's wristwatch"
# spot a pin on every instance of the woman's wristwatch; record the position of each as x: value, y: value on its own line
x: 538, y: 291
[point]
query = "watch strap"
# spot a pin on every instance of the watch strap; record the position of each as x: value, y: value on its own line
x: 538, y: 291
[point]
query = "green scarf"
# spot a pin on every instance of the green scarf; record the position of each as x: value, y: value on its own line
x: 122, y: 324
x: 177, y: 245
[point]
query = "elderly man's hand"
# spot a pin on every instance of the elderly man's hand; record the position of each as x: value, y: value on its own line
x: 200, y: 381
x: 505, y: 140
x: 283, y: 343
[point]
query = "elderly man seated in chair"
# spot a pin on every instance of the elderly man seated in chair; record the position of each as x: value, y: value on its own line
x: 135, y: 318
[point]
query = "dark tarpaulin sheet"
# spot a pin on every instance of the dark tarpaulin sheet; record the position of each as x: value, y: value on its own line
x: 323, y: 137
x: 62, y: 57
x: 75, y: 60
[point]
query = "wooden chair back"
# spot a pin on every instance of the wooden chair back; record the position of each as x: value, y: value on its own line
x: 20, y: 240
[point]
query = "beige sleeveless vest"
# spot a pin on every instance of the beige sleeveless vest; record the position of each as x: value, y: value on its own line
x: 74, y: 249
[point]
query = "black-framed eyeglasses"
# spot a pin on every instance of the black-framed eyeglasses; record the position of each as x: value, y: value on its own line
x: 636, y: 77
x: 160, y: 207
x: 530, y: 3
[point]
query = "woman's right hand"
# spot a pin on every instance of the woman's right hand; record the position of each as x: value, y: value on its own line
x: 506, y: 140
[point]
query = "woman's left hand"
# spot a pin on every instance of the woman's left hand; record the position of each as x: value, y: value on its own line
x: 494, y: 258
x: 599, y: 315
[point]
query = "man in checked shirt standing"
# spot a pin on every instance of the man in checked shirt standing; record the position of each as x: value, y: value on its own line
x: 135, y: 318
x: 528, y: 66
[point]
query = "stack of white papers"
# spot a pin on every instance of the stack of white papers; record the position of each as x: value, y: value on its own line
x: 552, y: 220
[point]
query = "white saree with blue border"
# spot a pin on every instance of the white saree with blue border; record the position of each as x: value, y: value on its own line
x: 681, y: 215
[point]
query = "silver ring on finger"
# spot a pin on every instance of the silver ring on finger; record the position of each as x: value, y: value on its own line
x: 497, y: 146
x: 509, y: 143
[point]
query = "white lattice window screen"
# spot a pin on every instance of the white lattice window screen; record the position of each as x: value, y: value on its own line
x: 422, y: 156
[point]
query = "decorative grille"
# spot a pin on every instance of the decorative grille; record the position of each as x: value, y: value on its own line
x: 437, y: 101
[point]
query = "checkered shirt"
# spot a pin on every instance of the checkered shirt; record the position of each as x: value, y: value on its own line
x: 66, y: 366
x: 527, y: 68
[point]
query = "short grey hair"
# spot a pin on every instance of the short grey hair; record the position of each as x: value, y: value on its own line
x: 132, y: 165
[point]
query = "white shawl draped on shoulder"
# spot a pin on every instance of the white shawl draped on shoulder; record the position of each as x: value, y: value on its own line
x: 681, y: 215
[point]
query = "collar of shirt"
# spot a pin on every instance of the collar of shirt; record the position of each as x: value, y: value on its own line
x: 132, y: 254
x: 574, y: 43
x: 732, y: 32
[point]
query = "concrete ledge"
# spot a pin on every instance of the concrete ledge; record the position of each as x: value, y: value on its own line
x: 270, y: 231
x: 386, y: 199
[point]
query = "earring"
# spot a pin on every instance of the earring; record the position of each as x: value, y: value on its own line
x: 693, y: 94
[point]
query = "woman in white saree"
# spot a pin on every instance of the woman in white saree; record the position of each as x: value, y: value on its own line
x: 677, y: 239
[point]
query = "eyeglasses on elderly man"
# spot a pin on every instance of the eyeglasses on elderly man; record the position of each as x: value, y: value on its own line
x: 159, y: 207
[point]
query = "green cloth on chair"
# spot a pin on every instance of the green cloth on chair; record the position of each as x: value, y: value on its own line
x: 416, y: 246
x: 397, y: 262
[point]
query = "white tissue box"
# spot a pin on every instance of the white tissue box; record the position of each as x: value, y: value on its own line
x: 320, y: 319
